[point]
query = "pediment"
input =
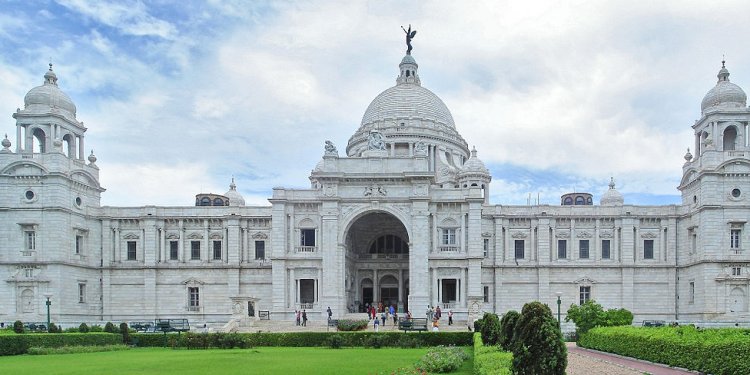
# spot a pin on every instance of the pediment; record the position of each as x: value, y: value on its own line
x: 585, y: 281
x: 193, y: 281
x: 131, y: 236
x: 195, y: 236
x: 24, y: 168
x: 84, y: 178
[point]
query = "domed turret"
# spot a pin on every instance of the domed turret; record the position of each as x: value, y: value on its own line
x: 48, y: 96
x: 235, y: 198
x: 612, y: 197
x: 725, y: 94
x: 473, y: 174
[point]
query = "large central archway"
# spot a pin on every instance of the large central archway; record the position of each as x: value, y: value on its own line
x: 377, y: 262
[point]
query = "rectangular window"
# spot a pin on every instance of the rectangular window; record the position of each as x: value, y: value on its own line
x: 734, y: 239
x: 30, y: 239
x: 307, y: 237
x: 583, y: 249
x: 28, y: 271
x: 449, y: 236
x: 132, y: 250
x: 173, y: 250
x: 648, y: 249
x: 486, y: 293
x: 79, y: 244
x: 519, y: 247
x: 691, y: 296
x: 486, y: 246
x: 193, y: 297
x: 562, y: 249
x: 736, y: 271
x: 260, y: 249
x: 217, y: 250
x: 195, y: 250
x: 605, y: 249
x: 584, y: 294
x: 81, y: 293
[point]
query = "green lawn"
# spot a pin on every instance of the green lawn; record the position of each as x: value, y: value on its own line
x: 263, y: 360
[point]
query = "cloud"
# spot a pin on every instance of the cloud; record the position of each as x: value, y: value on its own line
x: 130, y: 17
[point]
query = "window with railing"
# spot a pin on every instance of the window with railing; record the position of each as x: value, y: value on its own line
x: 307, y: 243
x: 30, y: 240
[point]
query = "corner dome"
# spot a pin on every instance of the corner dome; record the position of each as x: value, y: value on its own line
x: 235, y: 198
x: 48, y: 95
x: 725, y: 94
x: 473, y: 166
x: 612, y: 197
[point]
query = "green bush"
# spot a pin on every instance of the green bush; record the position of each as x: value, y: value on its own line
x: 489, y: 360
x: 125, y: 333
x: 490, y: 329
x: 507, y: 329
x: 18, y: 327
x: 715, y: 351
x: 109, y: 327
x: 335, y: 341
x: 376, y: 341
x: 408, y: 341
x: 19, y: 344
x: 83, y: 328
x: 586, y: 316
x: 352, y: 325
x: 96, y: 328
x: 52, y: 328
x: 76, y: 349
x: 538, y: 348
x: 442, y: 359
x: 72, y: 330
x: 309, y: 339
x: 618, y: 317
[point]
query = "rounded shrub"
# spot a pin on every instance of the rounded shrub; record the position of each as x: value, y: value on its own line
x: 110, y: 328
x: 125, y: 333
x: 83, y: 328
x: 335, y: 341
x: 52, y: 328
x: 18, y: 326
x: 538, y: 348
x: 490, y: 329
x: 507, y: 329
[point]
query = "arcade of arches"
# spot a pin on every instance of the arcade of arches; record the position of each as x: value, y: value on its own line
x: 377, y: 262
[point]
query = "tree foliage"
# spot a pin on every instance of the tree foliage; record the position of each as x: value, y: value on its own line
x: 490, y: 329
x: 507, y: 329
x: 592, y: 314
x: 538, y: 347
x: 18, y: 326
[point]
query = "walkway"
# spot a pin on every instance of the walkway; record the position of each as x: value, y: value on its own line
x: 589, y: 362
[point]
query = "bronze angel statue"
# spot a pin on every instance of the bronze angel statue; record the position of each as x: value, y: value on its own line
x: 409, y: 36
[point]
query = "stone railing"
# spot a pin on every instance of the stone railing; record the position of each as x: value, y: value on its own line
x: 448, y: 249
x: 383, y: 256
x: 305, y: 249
x: 735, y: 251
x: 449, y: 305
x: 193, y: 308
x: 306, y: 306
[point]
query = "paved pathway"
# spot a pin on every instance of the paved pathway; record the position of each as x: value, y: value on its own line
x: 590, y: 362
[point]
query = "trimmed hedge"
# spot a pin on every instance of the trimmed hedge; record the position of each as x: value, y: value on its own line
x: 715, y: 351
x: 490, y: 359
x: 248, y: 340
x: 19, y: 344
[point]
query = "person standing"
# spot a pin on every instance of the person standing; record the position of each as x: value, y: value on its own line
x: 382, y: 316
x: 330, y: 314
x: 450, y: 317
x: 304, y: 318
x: 298, y: 315
x: 395, y: 318
x: 375, y: 324
x: 438, y: 313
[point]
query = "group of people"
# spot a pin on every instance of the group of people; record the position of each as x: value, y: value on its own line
x: 301, y: 317
x: 434, y: 316
x: 385, y: 313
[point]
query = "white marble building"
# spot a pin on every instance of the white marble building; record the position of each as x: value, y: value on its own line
x: 402, y: 216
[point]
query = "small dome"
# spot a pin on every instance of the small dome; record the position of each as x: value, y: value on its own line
x: 725, y: 94
x: 48, y: 95
x: 612, y: 197
x: 235, y: 198
x: 408, y: 60
x: 473, y: 165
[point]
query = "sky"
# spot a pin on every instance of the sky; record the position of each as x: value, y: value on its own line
x: 557, y: 97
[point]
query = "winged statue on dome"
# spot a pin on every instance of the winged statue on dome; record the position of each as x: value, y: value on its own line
x: 409, y: 36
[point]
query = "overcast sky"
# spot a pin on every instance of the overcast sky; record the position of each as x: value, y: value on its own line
x: 178, y: 97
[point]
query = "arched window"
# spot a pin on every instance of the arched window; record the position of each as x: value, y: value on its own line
x: 568, y: 201
x: 730, y: 138
x: 589, y: 201
x: 39, y: 141
x: 69, y: 145
x: 27, y: 301
x: 580, y: 201
x: 205, y: 201
x: 218, y: 202
x: 389, y: 244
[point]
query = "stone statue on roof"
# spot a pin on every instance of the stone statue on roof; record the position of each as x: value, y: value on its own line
x: 331, y: 149
x: 409, y: 36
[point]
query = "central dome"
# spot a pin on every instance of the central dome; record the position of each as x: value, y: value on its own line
x: 407, y: 100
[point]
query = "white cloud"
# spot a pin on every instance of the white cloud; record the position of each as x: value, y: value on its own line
x: 130, y: 17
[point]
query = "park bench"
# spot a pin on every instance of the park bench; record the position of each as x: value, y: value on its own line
x: 413, y: 324
x: 333, y: 323
x: 653, y: 323
x: 172, y: 325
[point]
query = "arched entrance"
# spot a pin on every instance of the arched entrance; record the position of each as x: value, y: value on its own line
x: 377, y: 262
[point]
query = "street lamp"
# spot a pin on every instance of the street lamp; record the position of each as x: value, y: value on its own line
x: 559, y: 302
x: 48, y: 303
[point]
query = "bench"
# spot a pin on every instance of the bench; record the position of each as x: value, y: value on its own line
x: 654, y: 323
x: 333, y: 323
x: 413, y: 324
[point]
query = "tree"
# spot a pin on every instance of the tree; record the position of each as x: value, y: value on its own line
x: 618, y: 317
x: 110, y: 328
x: 83, y: 328
x: 490, y: 329
x: 507, y: 328
x: 538, y: 347
x: 18, y: 326
x: 586, y: 316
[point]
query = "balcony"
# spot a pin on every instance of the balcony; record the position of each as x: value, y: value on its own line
x: 383, y: 256
x: 305, y: 249
x: 306, y: 306
x: 193, y: 308
x: 448, y: 249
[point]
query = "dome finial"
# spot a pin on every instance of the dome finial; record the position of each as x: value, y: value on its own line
x: 232, y: 186
x: 611, y: 183
x: 50, y: 78
x: 473, y: 151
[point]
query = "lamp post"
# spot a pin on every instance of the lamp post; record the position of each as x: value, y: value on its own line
x: 48, y: 303
x: 559, y: 302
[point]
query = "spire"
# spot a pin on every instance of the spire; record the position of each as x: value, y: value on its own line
x: 611, y: 183
x: 723, y: 72
x: 232, y: 186
x: 473, y: 151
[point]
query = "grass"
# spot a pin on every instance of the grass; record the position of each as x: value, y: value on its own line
x: 235, y: 361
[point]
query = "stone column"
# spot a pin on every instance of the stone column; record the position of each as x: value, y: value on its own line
x: 333, y: 260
